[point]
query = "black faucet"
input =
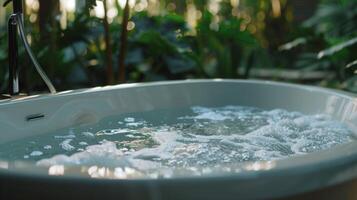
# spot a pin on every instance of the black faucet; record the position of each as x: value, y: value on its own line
x: 13, y: 48
x: 15, y: 26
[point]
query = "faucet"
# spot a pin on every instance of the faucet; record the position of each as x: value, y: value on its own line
x: 15, y: 27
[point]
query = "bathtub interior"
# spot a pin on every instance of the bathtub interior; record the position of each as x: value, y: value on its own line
x: 40, y: 115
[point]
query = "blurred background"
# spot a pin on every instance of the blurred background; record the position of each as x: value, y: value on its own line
x: 86, y: 43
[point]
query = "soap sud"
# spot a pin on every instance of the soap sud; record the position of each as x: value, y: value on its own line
x: 135, y: 124
x: 47, y: 147
x: 65, y: 145
x: 71, y: 135
x: 129, y: 119
x: 206, y: 113
x: 106, y: 153
x: 214, y: 136
x: 65, y: 136
x: 83, y: 143
x: 36, y: 153
x: 88, y: 134
x: 113, y: 131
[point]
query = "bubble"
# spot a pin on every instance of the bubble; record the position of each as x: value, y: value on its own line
x: 36, y: 153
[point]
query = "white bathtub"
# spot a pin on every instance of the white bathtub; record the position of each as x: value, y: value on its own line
x: 333, y: 170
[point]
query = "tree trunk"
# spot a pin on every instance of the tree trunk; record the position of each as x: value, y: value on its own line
x: 123, y: 44
x: 303, y: 9
x: 49, y: 10
x: 108, y: 46
x: 180, y: 6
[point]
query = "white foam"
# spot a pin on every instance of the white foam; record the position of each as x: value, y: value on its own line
x: 36, y: 153
x: 88, y: 134
x: 167, y: 142
x: 66, y: 145
x: 208, y: 114
x: 135, y: 124
x: 65, y: 136
x: 129, y: 119
x: 106, y: 154
x: 83, y: 143
x: 113, y: 131
x: 208, y: 137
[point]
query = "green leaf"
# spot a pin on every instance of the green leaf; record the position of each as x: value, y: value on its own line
x: 334, y: 49
x: 230, y: 30
x: 156, y: 43
x: 180, y: 64
x: 351, y: 64
x: 292, y: 44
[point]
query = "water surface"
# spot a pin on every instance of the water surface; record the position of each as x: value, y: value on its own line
x: 182, y: 138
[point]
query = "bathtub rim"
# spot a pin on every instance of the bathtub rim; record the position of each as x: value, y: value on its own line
x: 330, y: 91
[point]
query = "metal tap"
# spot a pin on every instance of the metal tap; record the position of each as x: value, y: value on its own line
x: 15, y: 27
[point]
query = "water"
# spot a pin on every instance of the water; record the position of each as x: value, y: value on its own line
x: 191, y: 138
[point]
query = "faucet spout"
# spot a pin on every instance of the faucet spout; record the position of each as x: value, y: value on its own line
x: 15, y: 26
x: 38, y: 67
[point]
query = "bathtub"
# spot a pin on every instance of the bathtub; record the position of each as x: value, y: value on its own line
x: 329, y: 174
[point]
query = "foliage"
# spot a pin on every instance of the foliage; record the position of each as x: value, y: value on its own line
x: 334, y: 26
x: 165, y: 45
